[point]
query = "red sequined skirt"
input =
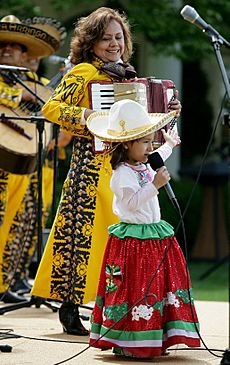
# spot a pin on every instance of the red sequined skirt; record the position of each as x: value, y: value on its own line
x: 143, y: 304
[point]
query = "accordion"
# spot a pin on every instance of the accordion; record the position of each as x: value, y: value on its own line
x: 153, y: 94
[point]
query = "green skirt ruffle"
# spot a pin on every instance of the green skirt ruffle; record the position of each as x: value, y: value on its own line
x: 154, y: 231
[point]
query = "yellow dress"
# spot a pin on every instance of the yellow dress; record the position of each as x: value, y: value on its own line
x: 70, y: 265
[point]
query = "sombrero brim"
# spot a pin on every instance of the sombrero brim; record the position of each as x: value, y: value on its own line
x: 37, y: 42
x: 97, y: 124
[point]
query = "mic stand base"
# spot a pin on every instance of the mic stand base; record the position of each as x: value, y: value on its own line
x: 37, y: 301
x: 226, y: 358
x: 5, y: 348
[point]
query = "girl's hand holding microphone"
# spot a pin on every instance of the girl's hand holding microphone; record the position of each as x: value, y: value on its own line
x: 161, y: 178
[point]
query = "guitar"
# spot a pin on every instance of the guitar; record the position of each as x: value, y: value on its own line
x: 19, y: 138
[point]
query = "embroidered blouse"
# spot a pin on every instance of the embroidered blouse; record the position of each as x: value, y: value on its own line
x: 135, y: 196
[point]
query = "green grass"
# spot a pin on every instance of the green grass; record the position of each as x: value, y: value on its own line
x: 215, y: 286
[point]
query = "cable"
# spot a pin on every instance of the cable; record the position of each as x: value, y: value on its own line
x: 15, y: 336
x: 187, y: 278
x: 189, y: 294
x: 166, y: 251
x: 145, y: 296
x: 204, y: 156
x: 10, y: 336
x: 86, y: 348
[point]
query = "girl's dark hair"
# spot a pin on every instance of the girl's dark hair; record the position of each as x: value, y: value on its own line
x: 90, y: 29
x: 118, y: 155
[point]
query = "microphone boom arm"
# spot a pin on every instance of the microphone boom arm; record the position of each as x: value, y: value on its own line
x: 211, y: 32
x: 191, y: 15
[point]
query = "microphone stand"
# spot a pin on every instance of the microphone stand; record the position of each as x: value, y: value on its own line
x: 217, y: 42
x: 216, y: 45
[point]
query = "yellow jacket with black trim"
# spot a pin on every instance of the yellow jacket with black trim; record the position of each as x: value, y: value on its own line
x: 71, y: 97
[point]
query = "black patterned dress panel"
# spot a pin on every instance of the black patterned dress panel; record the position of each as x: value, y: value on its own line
x: 3, y: 193
x: 22, y: 238
x: 74, y: 224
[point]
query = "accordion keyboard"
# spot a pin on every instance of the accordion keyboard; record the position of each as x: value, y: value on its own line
x: 103, y: 98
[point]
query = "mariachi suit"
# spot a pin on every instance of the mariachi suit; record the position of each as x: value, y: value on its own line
x: 19, y: 196
x: 12, y: 188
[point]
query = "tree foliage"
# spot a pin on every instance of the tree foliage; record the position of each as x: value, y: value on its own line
x: 19, y: 8
x: 159, y: 21
x: 163, y: 25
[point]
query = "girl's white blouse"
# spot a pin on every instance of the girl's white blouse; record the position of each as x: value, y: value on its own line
x: 135, y: 196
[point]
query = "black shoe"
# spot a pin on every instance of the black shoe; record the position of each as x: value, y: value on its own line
x: 9, y: 297
x: 21, y: 285
x: 69, y: 318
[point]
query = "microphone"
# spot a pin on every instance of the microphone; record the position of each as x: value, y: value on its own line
x: 13, y: 68
x: 57, y: 59
x: 191, y: 15
x: 156, y: 163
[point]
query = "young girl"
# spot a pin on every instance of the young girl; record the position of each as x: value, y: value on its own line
x: 142, y: 305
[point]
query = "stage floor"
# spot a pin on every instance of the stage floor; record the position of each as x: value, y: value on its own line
x: 42, y: 323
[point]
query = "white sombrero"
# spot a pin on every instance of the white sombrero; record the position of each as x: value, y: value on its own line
x: 41, y: 36
x: 126, y: 120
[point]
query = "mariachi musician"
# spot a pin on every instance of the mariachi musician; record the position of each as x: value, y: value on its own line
x: 69, y: 270
x: 18, y: 42
x: 23, y: 235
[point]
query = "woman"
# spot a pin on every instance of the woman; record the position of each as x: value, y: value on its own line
x: 70, y: 266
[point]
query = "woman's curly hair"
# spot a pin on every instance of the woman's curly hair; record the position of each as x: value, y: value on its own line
x: 90, y: 29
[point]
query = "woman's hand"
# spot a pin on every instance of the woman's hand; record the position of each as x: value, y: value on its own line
x: 28, y: 96
x: 88, y: 112
x: 175, y: 104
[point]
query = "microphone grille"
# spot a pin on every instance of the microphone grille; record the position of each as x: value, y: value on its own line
x: 155, y: 161
x: 189, y: 13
